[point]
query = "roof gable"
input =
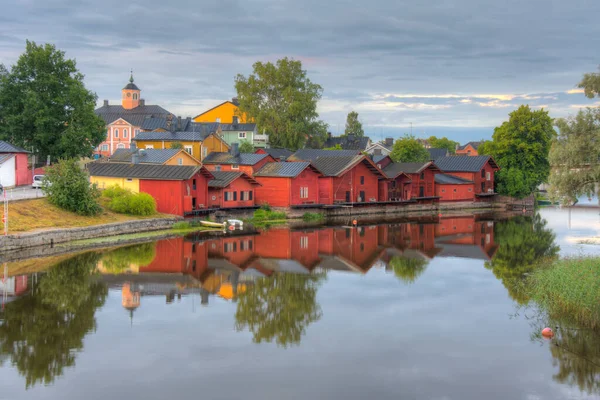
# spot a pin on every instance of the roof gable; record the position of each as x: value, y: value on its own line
x: 465, y: 163
x: 215, y: 107
x: 6, y: 147
x: 135, y: 116
x: 199, y: 135
x: 276, y: 153
x: 349, y: 143
x: 474, y: 145
x: 336, y: 166
x: 223, y: 179
x: 394, y: 169
x: 434, y: 153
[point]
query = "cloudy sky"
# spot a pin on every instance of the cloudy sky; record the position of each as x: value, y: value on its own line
x: 454, y: 67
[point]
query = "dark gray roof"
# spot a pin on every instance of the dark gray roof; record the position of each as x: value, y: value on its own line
x: 147, y: 156
x: 475, y: 145
x: 434, y: 154
x: 313, y: 154
x: 227, y: 158
x: 394, y: 169
x: 237, y: 127
x: 6, y: 147
x: 191, y: 136
x: 463, y: 163
x: 378, y: 158
x: 334, y: 166
x: 142, y: 171
x: 282, y: 169
x: 171, y: 124
x: 445, y: 179
x: 278, y: 153
x: 131, y: 86
x: 224, y: 178
x: 135, y: 116
x: 358, y: 143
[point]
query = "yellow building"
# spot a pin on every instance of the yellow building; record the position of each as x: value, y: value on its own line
x: 104, y: 182
x: 197, y: 144
x: 224, y: 113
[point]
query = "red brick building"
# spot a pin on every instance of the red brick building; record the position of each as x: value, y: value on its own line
x: 287, y: 184
x: 230, y: 189
x: 478, y: 169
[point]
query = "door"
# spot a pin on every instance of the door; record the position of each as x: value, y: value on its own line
x: 362, y: 196
x: 347, y: 197
x: 421, y: 191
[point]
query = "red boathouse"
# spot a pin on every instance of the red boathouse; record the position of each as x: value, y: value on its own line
x: 478, y: 169
x: 230, y: 189
x: 287, y: 184
x: 422, y: 176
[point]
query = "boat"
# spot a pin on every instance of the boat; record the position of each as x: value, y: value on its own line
x: 235, y: 222
x: 213, y: 224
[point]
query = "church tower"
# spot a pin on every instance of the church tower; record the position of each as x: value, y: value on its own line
x: 131, y: 95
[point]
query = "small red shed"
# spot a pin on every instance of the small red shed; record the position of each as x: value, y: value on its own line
x: 14, y: 166
x: 479, y: 169
x: 230, y: 189
x: 242, y: 162
x: 348, y: 179
x: 454, y: 188
x: 287, y: 184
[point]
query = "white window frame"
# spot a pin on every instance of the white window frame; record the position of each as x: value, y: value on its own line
x: 235, y: 166
x: 304, y: 192
x: 241, y: 135
x: 218, y: 120
x: 116, y: 133
x: 488, y: 176
x: 120, y: 146
x: 149, y: 146
x: 189, y: 149
x: 124, y: 133
x: 204, y: 151
x: 217, y: 167
x: 104, y: 147
x: 304, y: 242
x: 180, y: 161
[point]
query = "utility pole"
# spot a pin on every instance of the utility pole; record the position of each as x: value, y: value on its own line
x: 5, y: 215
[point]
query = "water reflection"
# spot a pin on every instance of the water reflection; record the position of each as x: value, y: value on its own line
x: 41, y: 332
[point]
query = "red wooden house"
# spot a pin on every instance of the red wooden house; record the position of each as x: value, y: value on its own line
x: 177, y: 189
x: 14, y: 166
x: 382, y: 161
x: 478, y: 169
x: 287, y: 184
x: 240, y: 162
x: 348, y: 179
x: 277, y: 154
x: 397, y: 187
x: 422, y: 176
x: 469, y: 149
x: 230, y: 189
x: 454, y: 188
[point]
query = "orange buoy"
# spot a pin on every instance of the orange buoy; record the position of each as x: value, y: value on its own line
x: 440, y: 215
x: 524, y: 210
x: 354, y: 222
x: 547, y: 333
x: 231, y: 227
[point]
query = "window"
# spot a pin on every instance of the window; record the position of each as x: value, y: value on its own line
x: 488, y: 176
x: 149, y: 146
x: 483, y: 173
x: 218, y: 120
x: 443, y: 190
x: 362, y: 180
x: 470, y: 189
x: 104, y: 147
x: 180, y: 161
x: 137, y: 132
x: 204, y: 151
x: 362, y: 247
x: 129, y: 179
x: 304, y: 193
x: 242, y: 135
x: 135, y: 96
x: 422, y: 175
x: 116, y: 133
x: 234, y: 196
x: 242, y: 195
x: 483, y: 186
x: 193, y: 184
x: 124, y: 133
x: 454, y: 190
x: 120, y: 146
x: 250, y: 195
x: 188, y: 149
x: 304, y: 242
x: 217, y: 167
x: 227, y: 196
x: 235, y: 166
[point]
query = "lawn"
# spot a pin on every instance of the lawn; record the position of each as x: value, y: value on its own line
x: 31, y: 215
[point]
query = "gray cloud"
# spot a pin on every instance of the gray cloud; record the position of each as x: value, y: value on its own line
x: 185, y: 54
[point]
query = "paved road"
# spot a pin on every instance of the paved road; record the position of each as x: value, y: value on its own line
x: 22, y: 193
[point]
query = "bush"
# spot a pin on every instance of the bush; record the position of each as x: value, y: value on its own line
x: 313, y: 216
x: 142, y: 204
x: 264, y: 215
x: 115, y: 191
x: 67, y: 186
x: 265, y: 206
x: 123, y: 201
x: 181, y: 225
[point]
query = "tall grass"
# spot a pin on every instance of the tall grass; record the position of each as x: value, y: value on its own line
x: 570, y: 287
x: 310, y: 216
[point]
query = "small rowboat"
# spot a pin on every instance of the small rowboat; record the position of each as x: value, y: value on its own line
x: 213, y: 224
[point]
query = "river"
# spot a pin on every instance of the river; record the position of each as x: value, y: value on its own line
x: 426, y: 309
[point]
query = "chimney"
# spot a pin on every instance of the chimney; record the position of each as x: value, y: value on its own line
x: 142, y: 102
x: 178, y: 123
x: 105, y: 103
x: 235, y: 149
x: 235, y: 101
x: 135, y: 158
x: 235, y: 120
x: 389, y: 141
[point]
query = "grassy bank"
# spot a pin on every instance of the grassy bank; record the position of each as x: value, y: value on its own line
x: 569, y: 287
x: 36, y: 214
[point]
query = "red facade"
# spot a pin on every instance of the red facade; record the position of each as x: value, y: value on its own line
x: 455, y: 192
x: 384, y: 162
x: 359, y: 184
x: 484, y: 179
x: 178, y: 197
x: 23, y: 175
x: 286, y: 192
x: 396, y: 189
x: 239, y: 193
x: 423, y: 182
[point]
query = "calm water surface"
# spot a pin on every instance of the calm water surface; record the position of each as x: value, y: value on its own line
x: 420, y: 310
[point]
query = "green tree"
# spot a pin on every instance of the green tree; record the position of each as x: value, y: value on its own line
x: 336, y: 147
x: 42, y: 332
x: 485, y: 148
x: 246, y: 147
x: 408, y: 149
x: 353, y: 125
x: 45, y: 105
x: 68, y: 187
x: 443, y: 143
x: 283, y: 102
x: 279, y: 307
x: 574, y: 157
x: 523, y: 244
x: 176, y: 145
x: 520, y: 146
x: 590, y: 83
x: 408, y: 269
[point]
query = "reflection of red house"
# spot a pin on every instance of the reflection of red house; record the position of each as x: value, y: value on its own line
x: 231, y: 189
x: 14, y: 286
x: 285, y: 244
x: 285, y: 184
x: 422, y: 238
x: 422, y: 176
x: 348, y: 179
x: 358, y: 248
x: 478, y: 169
x: 465, y: 237
x: 178, y: 256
